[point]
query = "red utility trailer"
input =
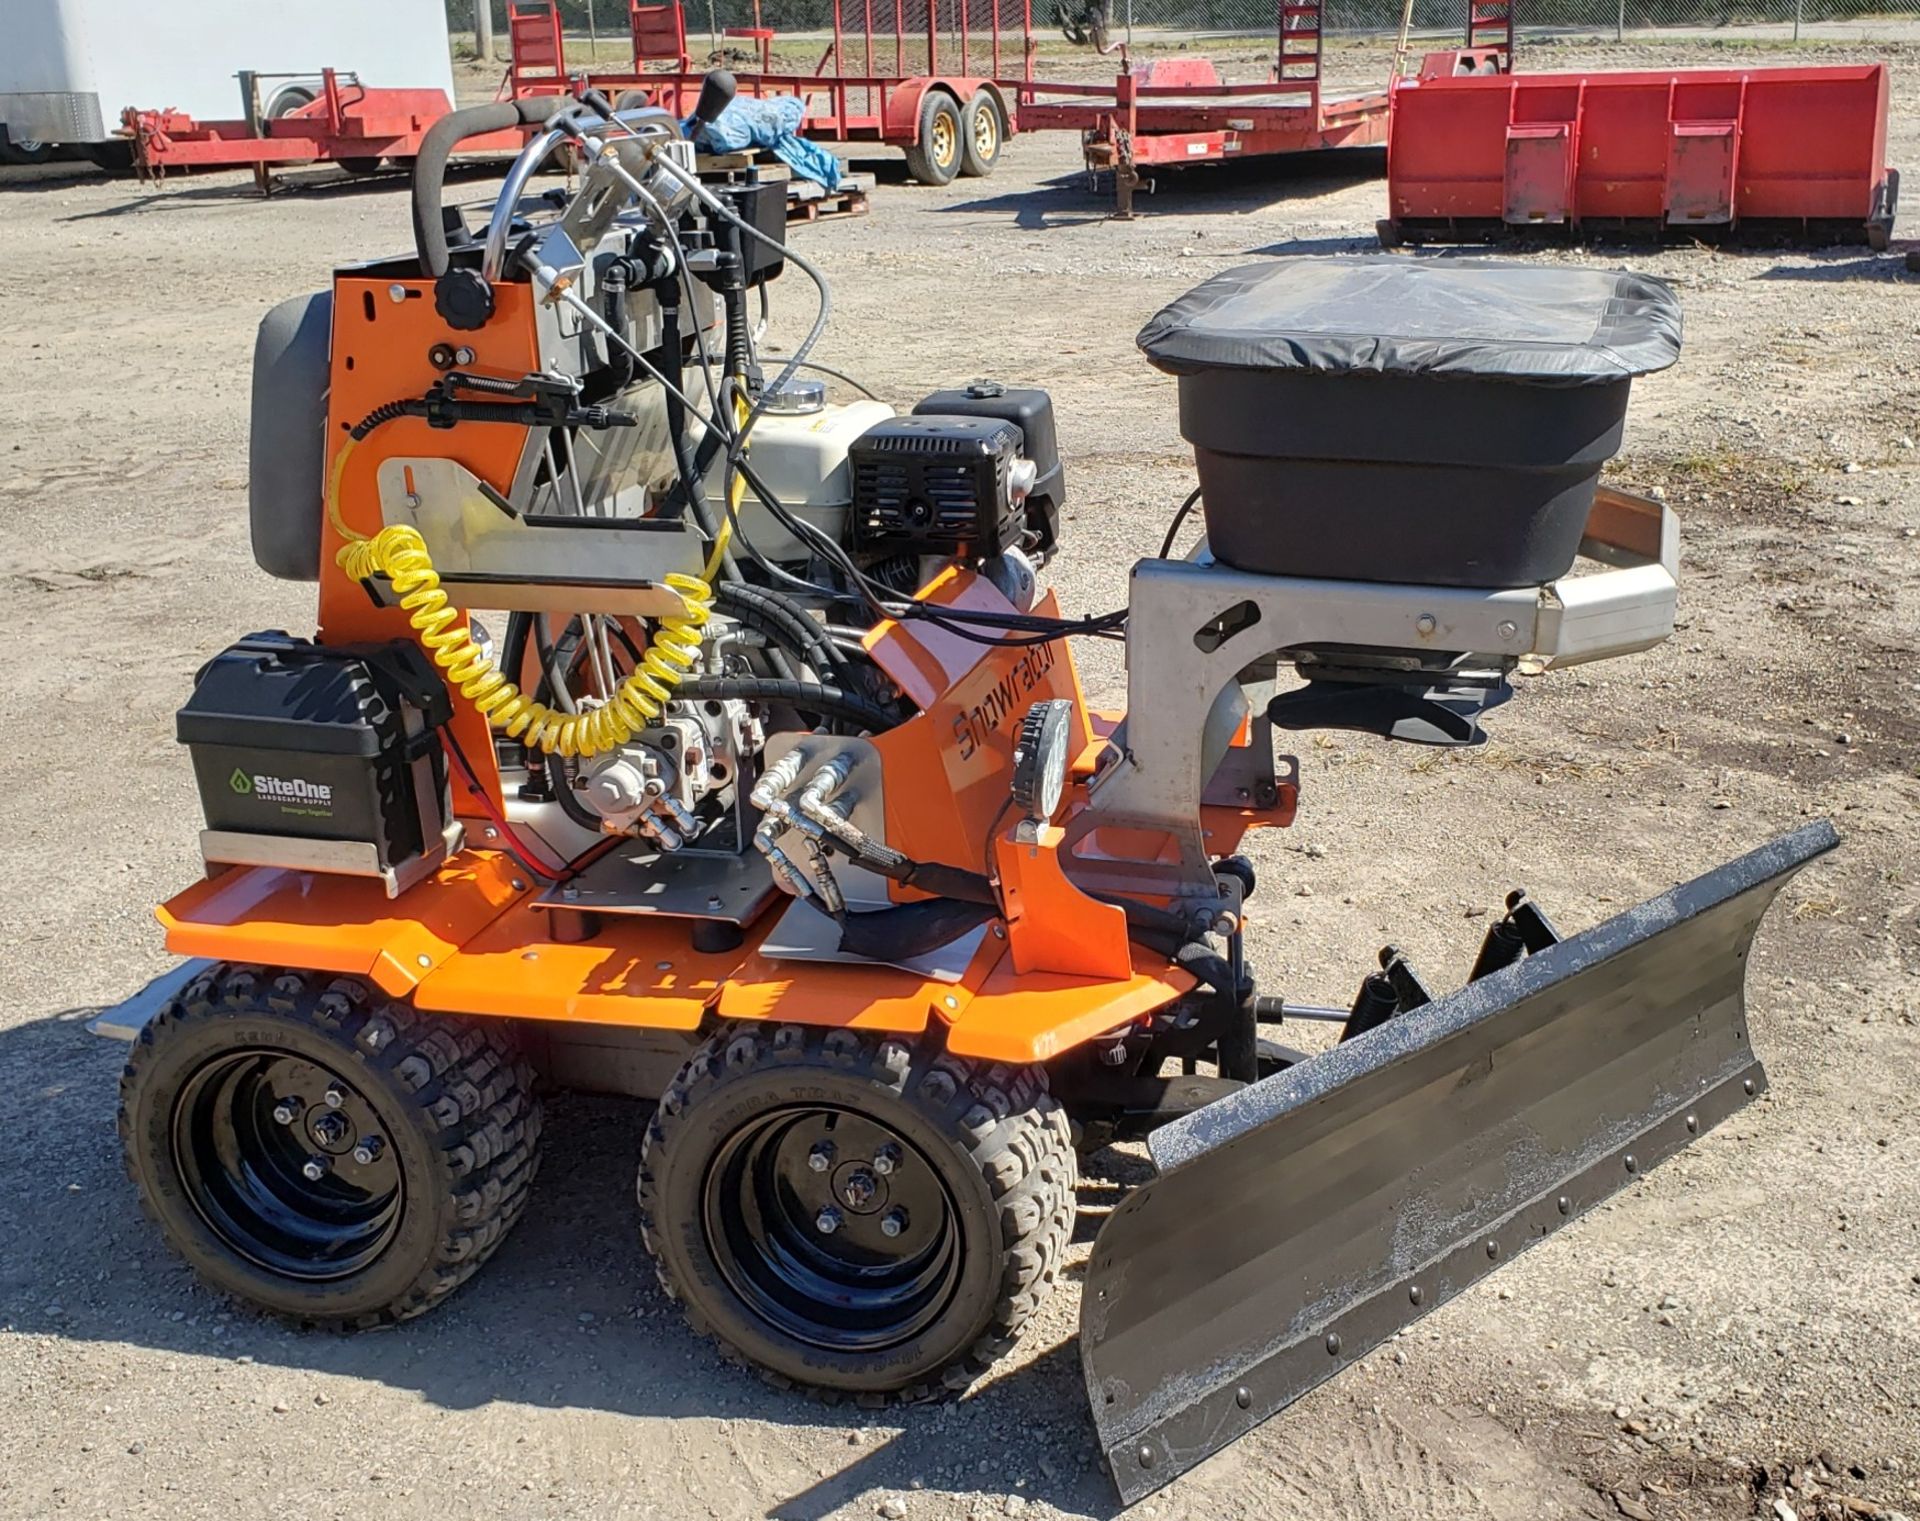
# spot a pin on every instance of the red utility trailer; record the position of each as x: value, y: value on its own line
x: 1697, y: 151
x: 922, y: 75
x: 1180, y: 111
x: 950, y: 80
x: 347, y: 123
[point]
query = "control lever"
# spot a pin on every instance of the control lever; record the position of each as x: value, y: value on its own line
x: 716, y: 94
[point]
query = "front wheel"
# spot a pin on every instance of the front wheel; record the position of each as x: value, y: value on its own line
x: 982, y: 134
x: 323, y: 1153
x: 934, y: 158
x: 856, y: 1214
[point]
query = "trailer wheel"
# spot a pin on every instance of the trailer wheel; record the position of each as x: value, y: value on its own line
x: 983, y: 132
x: 934, y: 157
x: 359, y: 168
x: 292, y: 98
x: 321, y: 1152
x: 23, y: 150
x: 853, y: 1213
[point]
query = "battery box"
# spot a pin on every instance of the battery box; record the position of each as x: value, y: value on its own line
x: 321, y: 758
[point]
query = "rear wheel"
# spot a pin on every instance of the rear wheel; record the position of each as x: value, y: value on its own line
x: 856, y: 1214
x: 934, y: 159
x: 982, y: 133
x: 323, y: 1153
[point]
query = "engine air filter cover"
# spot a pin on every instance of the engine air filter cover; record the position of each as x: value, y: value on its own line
x: 1390, y: 419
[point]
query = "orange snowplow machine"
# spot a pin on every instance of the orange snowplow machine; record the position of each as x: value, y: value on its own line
x: 764, y: 790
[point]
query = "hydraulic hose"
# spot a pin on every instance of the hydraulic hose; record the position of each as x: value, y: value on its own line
x: 808, y: 696
x: 781, y: 620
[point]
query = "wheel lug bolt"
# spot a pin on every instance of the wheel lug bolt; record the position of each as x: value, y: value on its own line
x: 886, y: 1159
x: 315, y: 1169
x: 827, y: 1221
x: 336, y: 1096
x: 821, y: 1157
x: 893, y: 1222
x: 287, y: 1111
x: 369, y: 1149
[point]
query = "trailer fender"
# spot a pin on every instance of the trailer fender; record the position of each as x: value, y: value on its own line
x: 903, y: 104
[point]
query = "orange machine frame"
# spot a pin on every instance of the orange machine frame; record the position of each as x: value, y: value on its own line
x: 1057, y: 971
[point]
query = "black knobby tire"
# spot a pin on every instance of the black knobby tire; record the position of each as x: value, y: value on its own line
x: 988, y: 1138
x: 983, y: 131
x: 450, y: 1099
x: 933, y: 158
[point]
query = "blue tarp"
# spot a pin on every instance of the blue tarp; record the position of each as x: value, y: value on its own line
x: 774, y: 124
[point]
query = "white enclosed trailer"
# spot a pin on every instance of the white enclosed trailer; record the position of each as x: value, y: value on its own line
x: 68, y: 68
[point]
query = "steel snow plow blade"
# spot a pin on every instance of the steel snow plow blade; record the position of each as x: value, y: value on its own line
x: 1302, y: 1221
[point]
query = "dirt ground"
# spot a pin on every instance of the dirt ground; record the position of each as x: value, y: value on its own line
x: 1737, y: 1335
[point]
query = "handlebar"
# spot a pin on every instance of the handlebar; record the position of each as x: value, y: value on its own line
x: 430, y: 167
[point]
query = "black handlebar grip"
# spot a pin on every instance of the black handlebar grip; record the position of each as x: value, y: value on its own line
x: 716, y: 94
x: 596, y: 100
x: 430, y: 164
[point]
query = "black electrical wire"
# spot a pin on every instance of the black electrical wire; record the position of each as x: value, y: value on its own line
x: 509, y: 841
x: 561, y: 786
x: 826, y: 369
x: 1044, y: 630
x: 1173, y: 528
x: 513, y: 647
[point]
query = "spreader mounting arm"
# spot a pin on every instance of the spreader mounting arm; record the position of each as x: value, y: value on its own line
x: 1198, y: 626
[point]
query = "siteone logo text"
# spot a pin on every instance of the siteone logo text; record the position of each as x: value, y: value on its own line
x: 282, y: 789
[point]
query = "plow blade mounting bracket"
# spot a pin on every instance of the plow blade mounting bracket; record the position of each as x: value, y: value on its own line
x: 1295, y: 1225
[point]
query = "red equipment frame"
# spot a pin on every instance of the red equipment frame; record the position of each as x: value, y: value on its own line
x: 1691, y: 150
x: 347, y: 123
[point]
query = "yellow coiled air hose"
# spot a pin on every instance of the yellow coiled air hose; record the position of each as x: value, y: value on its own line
x: 400, y: 554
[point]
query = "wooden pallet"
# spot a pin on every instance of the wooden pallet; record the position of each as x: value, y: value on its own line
x: 807, y: 201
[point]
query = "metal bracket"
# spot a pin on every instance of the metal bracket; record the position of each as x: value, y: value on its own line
x: 346, y: 858
x: 1200, y: 627
x: 489, y: 556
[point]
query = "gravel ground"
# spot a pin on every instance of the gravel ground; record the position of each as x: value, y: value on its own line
x: 1739, y: 1334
